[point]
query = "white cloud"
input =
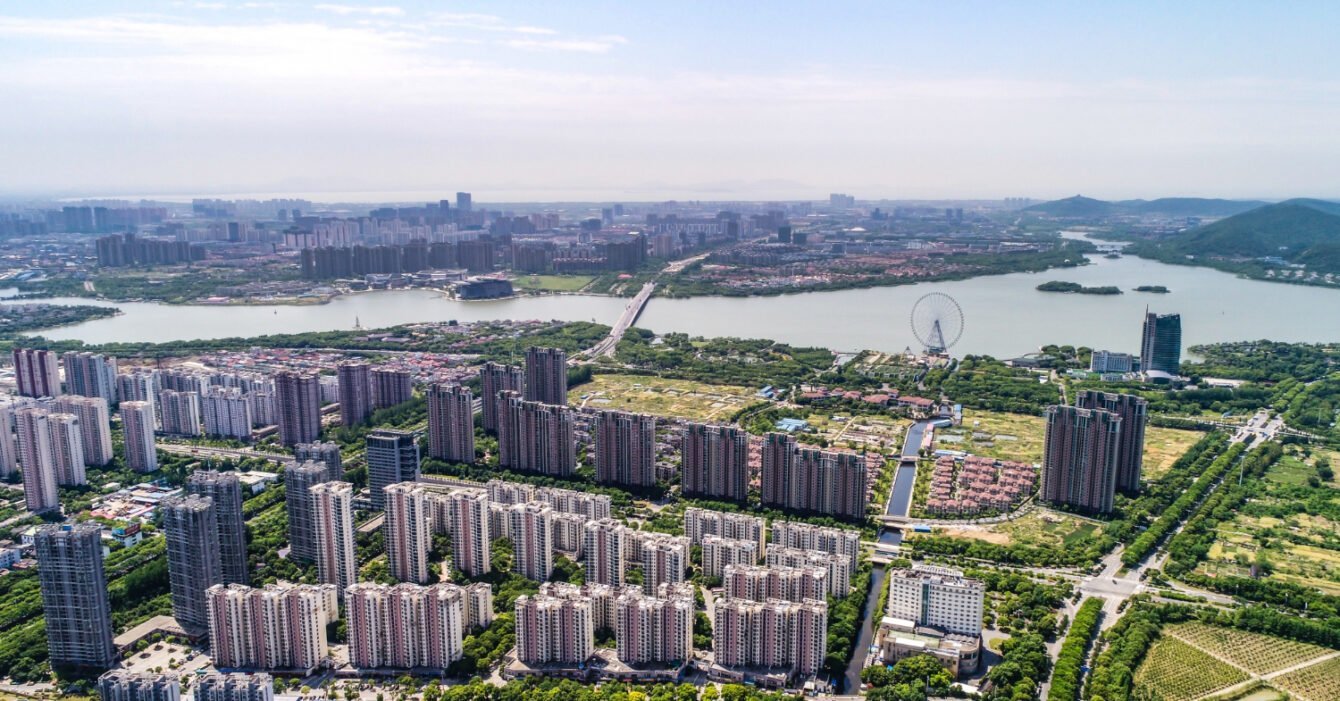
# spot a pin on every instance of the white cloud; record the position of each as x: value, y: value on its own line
x: 534, y: 30
x: 591, y: 46
x: 380, y: 11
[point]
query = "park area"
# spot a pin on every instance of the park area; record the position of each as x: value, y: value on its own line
x: 552, y: 283
x: 660, y: 396
x: 1235, y: 664
x: 1286, y: 533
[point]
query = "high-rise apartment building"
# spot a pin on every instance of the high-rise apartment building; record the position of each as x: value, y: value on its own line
x: 194, y: 561
x: 535, y: 437
x: 719, y: 553
x: 772, y: 634
x: 532, y: 530
x: 180, y: 412
x: 234, y: 687
x: 470, y: 530
x: 36, y: 372
x: 95, y: 426
x: 391, y: 387
x: 463, y: 202
x: 139, y: 385
x: 665, y: 558
x: 570, y: 534
x: 838, y: 567
x: 546, y: 375
x: 355, y: 392
x: 606, y: 551
x: 806, y: 536
x: 451, y: 423
x: 298, y: 481
x: 37, y: 458
x: 754, y: 583
x: 571, y: 501
x: 137, y: 422
x: 493, y: 379
x: 408, y: 533
x: 277, y: 627
x: 1080, y: 457
x: 90, y: 375
x: 225, y: 490
x: 1161, y: 344
x: 1134, y: 413
x: 715, y: 462
x: 406, y: 626
x: 554, y: 629
x: 227, y: 412
x: 67, y: 449
x: 807, y: 479
x: 123, y: 685
x: 297, y: 407
x: 699, y: 523
x: 333, y: 509
x: 9, y: 448
x: 938, y: 597
x: 653, y: 630
x: 625, y: 449
x: 74, y: 596
x: 392, y: 457
x: 327, y: 454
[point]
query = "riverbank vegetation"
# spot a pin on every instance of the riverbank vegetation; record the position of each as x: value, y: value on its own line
x: 1076, y: 288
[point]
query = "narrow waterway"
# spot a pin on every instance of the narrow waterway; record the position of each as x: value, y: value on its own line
x: 900, y: 501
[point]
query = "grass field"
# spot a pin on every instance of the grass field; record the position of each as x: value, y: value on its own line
x: 553, y: 283
x: 1040, y: 528
x: 1176, y: 671
x: 996, y: 435
x: 842, y: 430
x: 1162, y: 448
x: 662, y: 397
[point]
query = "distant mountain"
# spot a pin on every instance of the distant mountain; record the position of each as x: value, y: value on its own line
x: 1076, y: 207
x: 1300, y: 231
x: 1190, y: 206
x: 1080, y: 207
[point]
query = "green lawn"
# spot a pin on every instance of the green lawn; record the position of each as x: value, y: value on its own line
x: 553, y: 283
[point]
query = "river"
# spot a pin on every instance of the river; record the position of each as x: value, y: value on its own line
x: 1005, y: 316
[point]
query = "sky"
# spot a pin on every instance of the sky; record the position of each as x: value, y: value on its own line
x: 670, y: 100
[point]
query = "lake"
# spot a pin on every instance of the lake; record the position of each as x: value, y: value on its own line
x: 1004, y: 315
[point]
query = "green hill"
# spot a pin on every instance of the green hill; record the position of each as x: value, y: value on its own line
x: 1299, y: 231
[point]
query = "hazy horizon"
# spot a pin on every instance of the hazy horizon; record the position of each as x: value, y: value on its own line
x: 613, y: 102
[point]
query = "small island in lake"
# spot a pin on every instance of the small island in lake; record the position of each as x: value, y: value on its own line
x: 1075, y: 287
x: 1156, y: 289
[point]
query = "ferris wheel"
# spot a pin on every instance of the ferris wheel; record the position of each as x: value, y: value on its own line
x: 937, y: 321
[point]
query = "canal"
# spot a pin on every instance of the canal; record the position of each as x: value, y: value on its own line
x: 900, y: 500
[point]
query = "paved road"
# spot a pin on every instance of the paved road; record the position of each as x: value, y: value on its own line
x: 231, y: 453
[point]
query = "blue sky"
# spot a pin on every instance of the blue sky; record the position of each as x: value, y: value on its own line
x: 642, y: 100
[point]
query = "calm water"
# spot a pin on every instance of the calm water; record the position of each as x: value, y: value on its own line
x: 1004, y: 315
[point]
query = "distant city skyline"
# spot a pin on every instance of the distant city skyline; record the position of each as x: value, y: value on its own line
x: 602, y: 101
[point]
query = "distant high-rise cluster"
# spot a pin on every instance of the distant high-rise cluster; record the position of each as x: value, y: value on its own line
x: 297, y: 407
x: 451, y: 423
x: 277, y: 627
x: 74, y: 596
x: 808, y: 479
x: 392, y: 457
x: 536, y: 437
x: 406, y: 626
x: 1080, y: 457
x: 625, y: 449
x: 715, y: 462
